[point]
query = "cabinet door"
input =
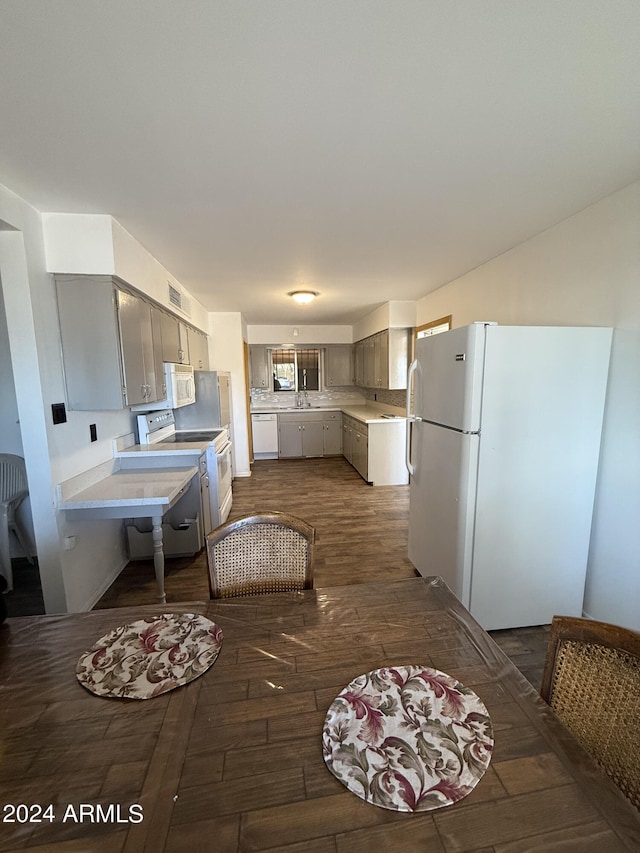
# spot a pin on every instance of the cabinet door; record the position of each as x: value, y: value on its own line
x: 155, y: 372
x: 91, y: 351
x: 358, y: 363
x: 184, y: 356
x: 333, y: 435
x: 369, y: 380
x: 175, y: 340
x: 347, y: 443
x: 198, y: 349
x: 381, y: 359
x: 289, y: 439
x: 312, y: 438
x: 170, y: 338
x: 338, y: 366
x: 131, y: 318
x: 361, y: 454
x: 258, y: 365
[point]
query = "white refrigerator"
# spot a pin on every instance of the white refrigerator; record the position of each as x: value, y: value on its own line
x: 505, y: 425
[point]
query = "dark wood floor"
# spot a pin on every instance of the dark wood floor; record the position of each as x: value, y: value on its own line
x: 361, y: 537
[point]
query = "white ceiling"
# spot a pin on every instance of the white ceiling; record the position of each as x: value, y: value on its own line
x: 368, y: 149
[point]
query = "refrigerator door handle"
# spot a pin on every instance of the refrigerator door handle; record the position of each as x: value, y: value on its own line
x: 412, y: 369
x: 407, y: 450
x: 411, y: 417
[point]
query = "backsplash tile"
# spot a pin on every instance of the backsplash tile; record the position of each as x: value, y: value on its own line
x: 389, y: 398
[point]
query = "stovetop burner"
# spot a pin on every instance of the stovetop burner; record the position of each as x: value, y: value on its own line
x: 180, y: 437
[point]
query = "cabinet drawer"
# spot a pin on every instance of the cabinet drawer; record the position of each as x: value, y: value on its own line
x: 300, y: 417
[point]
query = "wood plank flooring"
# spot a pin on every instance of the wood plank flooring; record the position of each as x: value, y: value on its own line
x: 361, y: 537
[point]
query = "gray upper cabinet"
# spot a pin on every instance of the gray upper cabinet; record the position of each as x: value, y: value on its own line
x: 358, y: 363
x: 142, y: 366
x: 88, y: 314
x: 198, y: 349
x: 259, y: 367
x: 369, y: 370
x: 175, y: 340
x: 111, y: 344
x: 382, y: 360
x: 338, y: 366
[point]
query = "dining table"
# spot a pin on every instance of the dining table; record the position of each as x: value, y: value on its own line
x: 236, y: 759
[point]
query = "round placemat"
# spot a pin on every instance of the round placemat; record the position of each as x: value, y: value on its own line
x: 151, y: 656
x: 408, y: 738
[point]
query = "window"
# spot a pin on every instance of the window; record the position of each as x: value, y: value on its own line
x: 296, y: 369
x: 434, y: 328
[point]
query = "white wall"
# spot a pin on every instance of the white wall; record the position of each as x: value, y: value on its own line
x: 10, y: 439
x: 397, y: 314
x: 226, y: 352
x: 96, y: 244
x: 72, y: 580
x: 584, y: 271
x: 299, y: 335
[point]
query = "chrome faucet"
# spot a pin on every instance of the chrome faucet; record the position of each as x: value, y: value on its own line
x: 298, y: 400
x: 306, y: 398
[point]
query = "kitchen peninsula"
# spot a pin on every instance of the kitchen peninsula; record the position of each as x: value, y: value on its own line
x: 372, y: 439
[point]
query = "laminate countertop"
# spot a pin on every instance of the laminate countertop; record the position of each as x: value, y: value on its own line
x: 364, y: 414
x: 111, y: 489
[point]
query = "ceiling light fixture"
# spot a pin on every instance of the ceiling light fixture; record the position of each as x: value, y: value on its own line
x: 303, y: 296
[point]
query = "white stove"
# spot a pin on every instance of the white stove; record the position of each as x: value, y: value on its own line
x: 160, y: 427
x: 216, y: 476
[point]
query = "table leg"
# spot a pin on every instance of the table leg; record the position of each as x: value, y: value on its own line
x: 158, y: 556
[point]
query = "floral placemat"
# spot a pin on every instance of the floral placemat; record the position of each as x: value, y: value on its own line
x: 151, y: 656
x: 408, y: 738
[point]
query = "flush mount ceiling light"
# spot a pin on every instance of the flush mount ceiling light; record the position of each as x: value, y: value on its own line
x: 303, y: 296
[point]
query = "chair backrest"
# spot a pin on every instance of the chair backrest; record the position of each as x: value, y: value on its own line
x: 267, y: 552
x: 13, y: 478
x: 591, y: 681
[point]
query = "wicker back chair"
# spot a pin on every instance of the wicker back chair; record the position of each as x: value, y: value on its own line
x: 591, y: 681
x: 268, y: 552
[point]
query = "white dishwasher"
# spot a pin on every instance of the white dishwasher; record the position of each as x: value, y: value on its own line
x: 265, y: 435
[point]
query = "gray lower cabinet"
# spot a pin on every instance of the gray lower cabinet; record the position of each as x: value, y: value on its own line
x: 347, y: 441
x: 355, y: 445
x: 309, y: 434
x: 360, y: 454
x: 332, y: 423
x: 289, y: 438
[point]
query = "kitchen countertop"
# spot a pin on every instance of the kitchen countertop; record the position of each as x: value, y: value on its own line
x: 185, y: 449
x: 116, y: 490
x: 365, y: 414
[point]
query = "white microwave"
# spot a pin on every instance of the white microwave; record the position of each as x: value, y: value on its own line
x: 181, y: 389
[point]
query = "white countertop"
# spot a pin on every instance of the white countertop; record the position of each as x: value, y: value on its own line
x: 113, y: 491
x: 369, y: 415
x: 365, y: 414
x: 185, y: 448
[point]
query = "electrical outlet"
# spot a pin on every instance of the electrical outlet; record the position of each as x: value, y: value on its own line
x: 58, y: 413
x: 93, y: 432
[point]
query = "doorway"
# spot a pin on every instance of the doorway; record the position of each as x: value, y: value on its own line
x: 26, y: 598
